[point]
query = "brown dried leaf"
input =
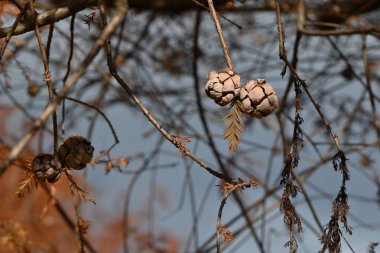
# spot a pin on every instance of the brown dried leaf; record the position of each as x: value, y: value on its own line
x: 108, y: 167
x: 122, y: 161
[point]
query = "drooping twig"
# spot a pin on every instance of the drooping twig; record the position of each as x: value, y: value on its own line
x: 331, y: 232
x: 220, y: 15
x: 283, y: 57
x: 68, y: 68
x: 220, y: 229
x: 116, y: 139
x: 47, y: 76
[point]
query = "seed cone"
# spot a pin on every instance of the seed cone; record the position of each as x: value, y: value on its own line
x: 47, y: 167
x: 222, y: 86
x: 75, y: 152
x: 258, y: 98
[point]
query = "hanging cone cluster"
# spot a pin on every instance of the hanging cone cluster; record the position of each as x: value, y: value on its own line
x: 258, y: 98
x: 222, y: 86
x: 74, y: 153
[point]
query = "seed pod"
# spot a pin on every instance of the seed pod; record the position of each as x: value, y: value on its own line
x: 258, y: 98
x: 33, y: 90
x: 223, y: 86
x: 47, y: 167
x: 75, y: 152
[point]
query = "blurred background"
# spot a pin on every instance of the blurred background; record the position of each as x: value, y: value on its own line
x: 151, y: 198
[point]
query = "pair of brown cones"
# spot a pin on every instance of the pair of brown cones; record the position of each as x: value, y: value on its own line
x: 74, y: 153
x: 257, y: 97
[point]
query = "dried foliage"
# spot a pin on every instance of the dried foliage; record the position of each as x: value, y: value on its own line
x: 234, y: 126
x: 331, y: 232
x: 287, y: 208
x: 225, y: 233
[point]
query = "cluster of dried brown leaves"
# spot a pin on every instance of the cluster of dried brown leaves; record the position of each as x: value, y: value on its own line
x: 331, y: 232
x: 226, y: 234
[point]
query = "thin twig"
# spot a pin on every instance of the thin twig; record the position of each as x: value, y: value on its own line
x: 47, y: 76
x: 219, y: 14
x: 128, y: 194
x: 68, y: 68
x: 307, y: 199
x: 375, y: 120
x: 50, y: 40
x: 101, y: 113
x: 220, y: 34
